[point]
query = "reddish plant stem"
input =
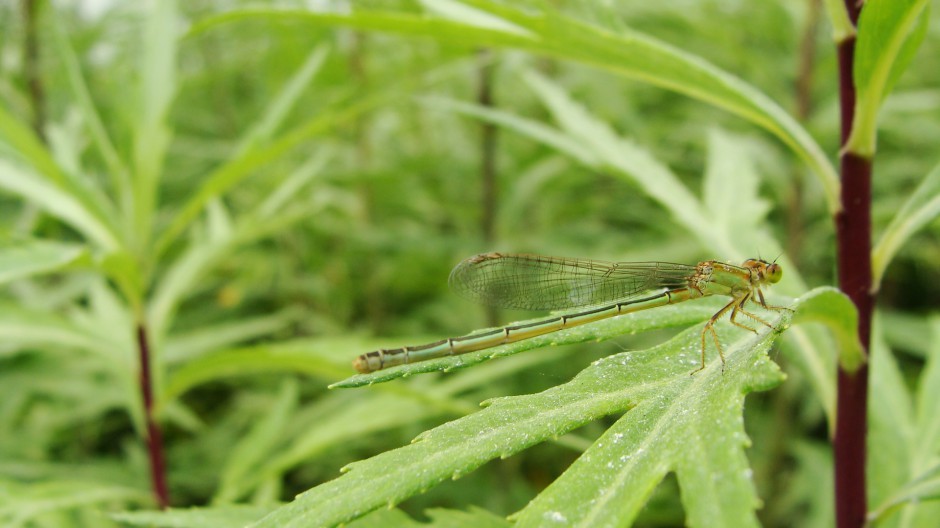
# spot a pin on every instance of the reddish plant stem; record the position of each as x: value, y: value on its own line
x: 853, y: 232
x: 154, y: 438
x: 32, y: 68
x: 488, y: 133
x: 488, y: 144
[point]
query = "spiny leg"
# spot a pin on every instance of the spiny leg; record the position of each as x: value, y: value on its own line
x: 710, y: 327
x: 760, y: 295
x: 738, y: 309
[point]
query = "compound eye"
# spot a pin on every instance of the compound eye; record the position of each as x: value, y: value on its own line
x: 774, y: 273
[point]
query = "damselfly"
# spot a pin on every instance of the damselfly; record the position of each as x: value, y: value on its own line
x: 596, y: 289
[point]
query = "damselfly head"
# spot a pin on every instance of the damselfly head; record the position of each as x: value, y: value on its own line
x: 768, y: 271
x: 773, y: 273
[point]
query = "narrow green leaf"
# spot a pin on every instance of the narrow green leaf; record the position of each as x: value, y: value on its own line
x: 334, y: 425
x: 834, y: 309
x: 731, y: 192
x: 633, y: 55
x: 23, y: 502
x: 255, y: 447
x: 891, y: 421
x: 273, y: 116
x: 240, y: 167
x: 666, y: 402
x: 25, y: 258
x: 24, y: 327
x: 920, y: 209
x: 245, y: 362
x: 24, y: 141
x: 462, y: 12
x: 531, y: 128
x: 889, y: 33
x: 474, y: 518
x: 56, y: 202
x: 117, y: 168
x: 233, y: 516
x: 291, y: 186
x: 156, y: 90
x: 184, y: 347
x: 180, y: 279
x: 842, y: 27
x: 812, y: 350
x: 927, y: 435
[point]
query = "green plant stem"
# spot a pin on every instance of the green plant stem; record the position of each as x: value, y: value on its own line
x: 853, y: 232
x: 154, y: 438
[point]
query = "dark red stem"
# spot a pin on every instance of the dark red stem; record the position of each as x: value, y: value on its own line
x: 32, y: 68
x: 154, y: 439
x: 853, y: 232
x: 488, y: 133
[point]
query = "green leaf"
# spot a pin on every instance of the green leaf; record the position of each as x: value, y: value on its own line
x: 731, y: 193
x: 25, y: 142
x: 56, y: 202
x: 889, y: 33
x: 24, y: 327
x: 927, y: 435
x: 834, y: 309
x: 245, y: 362
x: 891, y: 421
x: 25, y: 258
x: 628, y: 160
x: 234, y: 516
x: 183, y: 347
x: 842, y: 27
x: 632, y: 54
x: 155, y: 92
x: 279, y: 108
x: 117, y: 168
x: 920, y: 209
x: 255, y: 447
x: 905, y: 437
x: 474, y: 518
x: 664, y: 404
x: 20, y: 503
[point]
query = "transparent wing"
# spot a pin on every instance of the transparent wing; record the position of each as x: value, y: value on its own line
x: 535, y: 282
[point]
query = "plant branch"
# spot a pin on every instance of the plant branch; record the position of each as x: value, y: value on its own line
x: 154, y: 438
x: 32, y: 68
x: 853, y: 232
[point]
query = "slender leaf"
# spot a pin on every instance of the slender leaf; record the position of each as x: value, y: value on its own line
x: 927, y: 436
x: 25, y: 258
x: 891, y: 422
x: 20, y: 503
x: 229, y: 516
x: 920, y: 209
x: 273, y: 116
x: 117, y: 168
x: 834, y: 309
x: 842, y: 27
x: 252, y: 449
x: 56, y: 202
x: 156, y: 90
x: 889, y: 33
x: 245, y: 362
x: 632, y: 54
x: 180, y: 347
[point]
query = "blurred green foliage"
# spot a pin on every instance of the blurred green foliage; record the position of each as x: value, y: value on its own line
x: 269, y: 195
